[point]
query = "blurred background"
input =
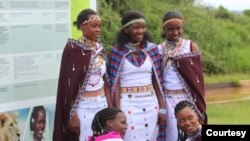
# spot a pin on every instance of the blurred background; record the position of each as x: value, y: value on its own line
x: 221, y: 30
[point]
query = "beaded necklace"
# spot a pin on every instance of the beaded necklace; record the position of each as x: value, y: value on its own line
x: 134, y: 44
x: 136, y: 56
x: 170, y: 49
x: 134, y: 47
x: 88, y: 44
x: 96, y: 71
x: 96, y: 68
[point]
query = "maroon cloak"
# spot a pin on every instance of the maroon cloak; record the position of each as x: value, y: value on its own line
x: 190, y: 68
x: 75, y: 64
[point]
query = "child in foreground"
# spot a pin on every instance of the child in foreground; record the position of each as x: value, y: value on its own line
x: 188, y: 122
x: 109, y: 124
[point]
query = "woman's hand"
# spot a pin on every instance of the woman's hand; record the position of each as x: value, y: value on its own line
x: 74, y: 124
x: 107, y: 92
x: 161, y: 119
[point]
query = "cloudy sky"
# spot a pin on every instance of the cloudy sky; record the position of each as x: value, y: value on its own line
x: 232, y: 5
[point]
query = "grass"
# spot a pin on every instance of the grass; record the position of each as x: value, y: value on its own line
x: 229, y: 113
x: 237, y: 112
x: 222, y: 78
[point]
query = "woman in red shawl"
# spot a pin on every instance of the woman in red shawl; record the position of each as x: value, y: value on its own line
x: 82, y: 89
x: 182, y: 71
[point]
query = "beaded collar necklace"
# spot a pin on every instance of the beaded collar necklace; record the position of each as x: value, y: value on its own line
x: 170, y: 49
x: 134, y: 47
x: 134, y: 44
x: 88, y: 44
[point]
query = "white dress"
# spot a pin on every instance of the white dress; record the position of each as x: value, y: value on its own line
x: 172, y: 81
x: 89, y: 106
x: 141, y: 108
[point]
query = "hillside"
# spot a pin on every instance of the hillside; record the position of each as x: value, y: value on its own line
x: 221, y: 35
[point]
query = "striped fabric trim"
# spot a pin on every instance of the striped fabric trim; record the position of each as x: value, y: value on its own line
x: 118, y: 54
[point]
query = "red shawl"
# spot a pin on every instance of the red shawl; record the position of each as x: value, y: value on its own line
x: 75, y: 65
x: 190, y: 68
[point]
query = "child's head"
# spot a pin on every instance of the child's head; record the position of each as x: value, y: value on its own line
x: 109, y: 119
x: 187, y: 117
x: 38, y: 121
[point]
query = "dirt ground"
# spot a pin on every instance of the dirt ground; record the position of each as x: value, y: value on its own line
x: 228, y: 94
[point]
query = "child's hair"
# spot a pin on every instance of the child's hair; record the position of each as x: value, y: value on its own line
x: 179, y: 106
x: 34, y: 115
x: 100, y: 119
x: 183, y: 104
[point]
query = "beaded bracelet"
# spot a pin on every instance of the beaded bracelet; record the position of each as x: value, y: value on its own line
x: 163, y: 111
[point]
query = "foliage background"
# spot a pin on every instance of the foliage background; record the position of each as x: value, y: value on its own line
x: 221, y: 35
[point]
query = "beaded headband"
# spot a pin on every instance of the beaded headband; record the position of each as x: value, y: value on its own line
x: 171, y: 20
x: 134, y: 21
x: 96, y: 18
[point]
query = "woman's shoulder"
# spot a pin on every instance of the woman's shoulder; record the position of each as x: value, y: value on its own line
x: 110, y: 136
x: 73, y: 41
x: 190, y: 45
x: 117, y: 50
x: 73, y: 44
x: 151, y: 44
x: 78, y: 43
x: 152, y: 49
x: 161, y: 46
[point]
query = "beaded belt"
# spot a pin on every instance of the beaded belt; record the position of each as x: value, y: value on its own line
x: 178, y: 91
x: 93, y: 93
x: 137, y: 89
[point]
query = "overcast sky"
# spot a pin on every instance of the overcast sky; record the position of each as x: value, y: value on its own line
x: 232, y: 5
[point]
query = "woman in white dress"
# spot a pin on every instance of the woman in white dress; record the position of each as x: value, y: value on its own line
x: 135, y: 75
x: 83, y: 87
x: 182, y: 72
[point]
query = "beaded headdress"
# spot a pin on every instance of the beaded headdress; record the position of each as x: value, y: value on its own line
x: 96, y: 18
x: 171, y: 20
x: 141, y: 20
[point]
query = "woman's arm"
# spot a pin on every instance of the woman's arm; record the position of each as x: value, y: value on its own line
x: 117, y: 95
x: 194, y: 47
x: 158, y: 93
x: 162, y: 111
x: 107, y: 92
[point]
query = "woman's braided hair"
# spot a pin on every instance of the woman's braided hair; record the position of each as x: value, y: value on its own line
x: 179, y: 106
x: 183, y: 104
x: 100, y: 119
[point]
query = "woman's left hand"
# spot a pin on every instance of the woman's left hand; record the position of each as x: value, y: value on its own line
x: 161, y: 119
x: 74, y: 124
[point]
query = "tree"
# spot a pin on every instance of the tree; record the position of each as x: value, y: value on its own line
x: 247, y: 12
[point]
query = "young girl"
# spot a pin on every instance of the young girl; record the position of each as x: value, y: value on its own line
x: 109, y: 124
x: 82, y: 89
x: 136, y: 78
x: 188, y: 122
x: 38, y: 122
x: 182, y: 71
